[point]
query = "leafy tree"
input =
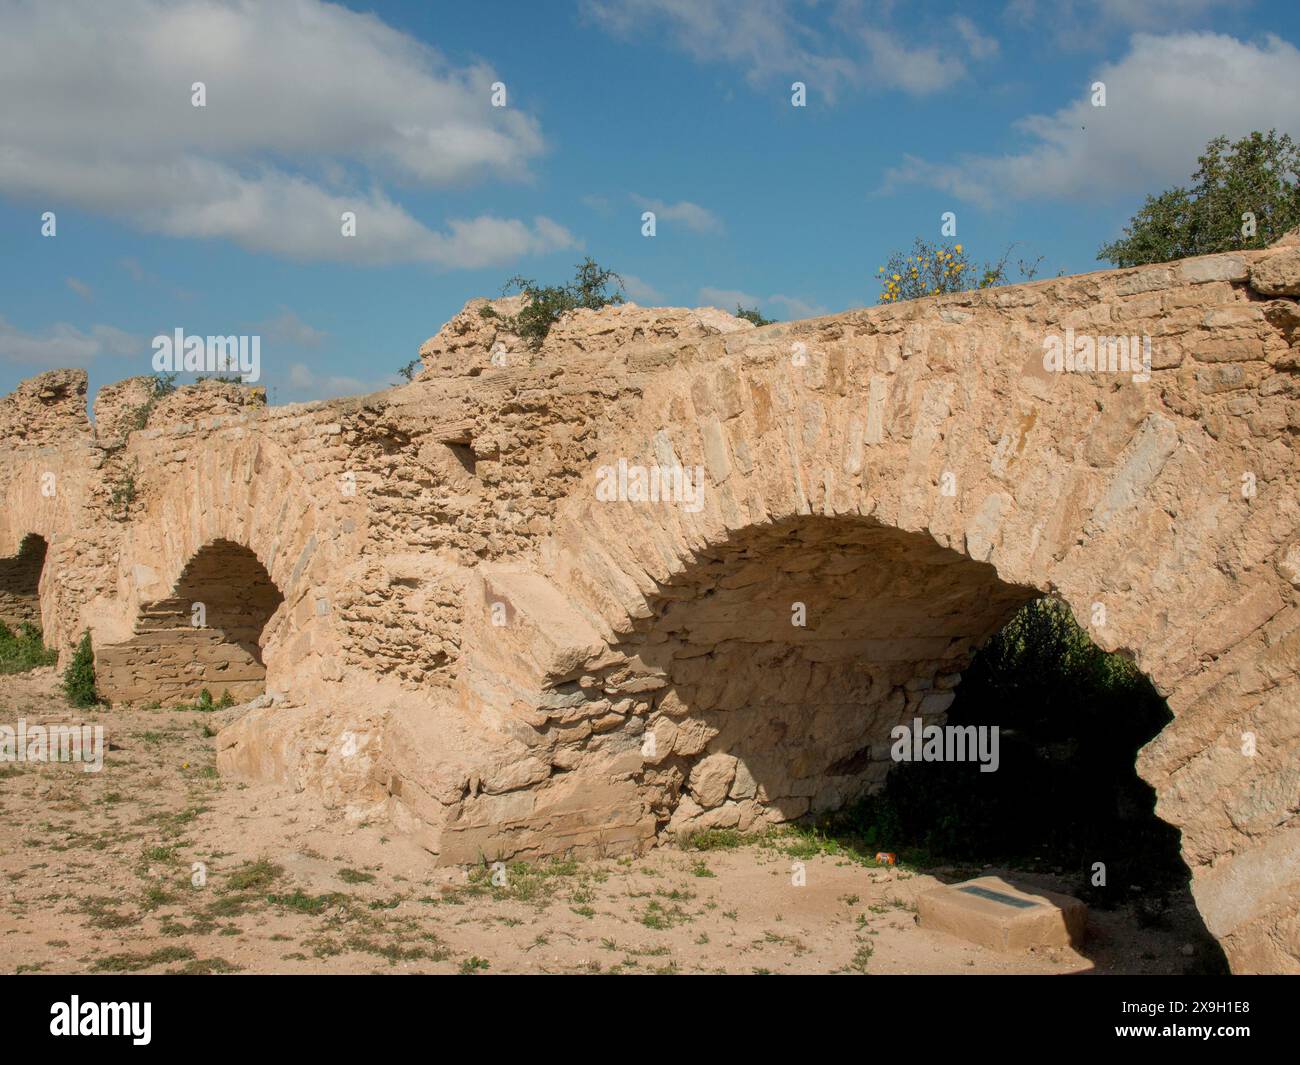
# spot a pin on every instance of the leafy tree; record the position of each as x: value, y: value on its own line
x: 752, y: 314
x: 79, y: 677
x: 546, y: 304
x: 410, y: 369
x: 1260, y: 174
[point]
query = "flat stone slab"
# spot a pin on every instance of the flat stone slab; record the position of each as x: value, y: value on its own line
x: 995, y: 914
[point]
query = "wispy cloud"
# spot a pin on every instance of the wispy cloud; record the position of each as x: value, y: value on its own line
x: 641, y: 291
x: 287, y: 328
x: 1165, y: 99
x: 791, y: 308
x: 66, y: 345
x: 305, y: 383
x: 691, y: 215
x: 771, y: 39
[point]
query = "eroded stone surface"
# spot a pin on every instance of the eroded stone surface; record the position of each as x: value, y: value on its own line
x: 470, y: 641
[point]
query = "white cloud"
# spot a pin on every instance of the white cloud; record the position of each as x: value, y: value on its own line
x: 287, y: 328
x: 306, y: 384
x: 66, y: 345
x: 794, y: 308
x: 1086, y: 20
x: 789, y: 308
x: 1159, y: 14
x: 727, y: 299
x: 691, y: 215
x: 106, y: 123
x: 136, y: 271
x: 916, y: 70
x: 1164, y: 100
x: 978, y: 44
x: 641, y: 292
x: 771, y: 39
x: 80, y: 288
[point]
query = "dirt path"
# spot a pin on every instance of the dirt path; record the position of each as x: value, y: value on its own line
x: 98, y: 874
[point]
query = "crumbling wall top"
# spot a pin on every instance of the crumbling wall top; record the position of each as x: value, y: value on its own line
x: 46, y: 410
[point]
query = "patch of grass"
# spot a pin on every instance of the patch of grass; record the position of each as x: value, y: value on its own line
x: 300, y: 902
x: 23, y: 650
x: 173, y: 824
x: 395, y: 952
x: 207, y: 966
x: 156, y: 895
x: 659, y: 917
x: 861, y: 957
x: 353, y: 876
x: 523, y: 881
x: 254, y: 876
x: 130, y: 963
x: 473, y: 964
x: 716, y: 839
x: 205, y: 705
x: 103, y: 914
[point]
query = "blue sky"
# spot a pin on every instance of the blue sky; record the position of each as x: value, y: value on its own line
x: 224, y: 219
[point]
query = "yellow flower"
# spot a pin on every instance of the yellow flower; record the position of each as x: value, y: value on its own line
x: 958, y: 248
x: 897, y: 278
x: 880, y: 269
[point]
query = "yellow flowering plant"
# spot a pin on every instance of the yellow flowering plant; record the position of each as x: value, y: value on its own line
x: 935, y: 269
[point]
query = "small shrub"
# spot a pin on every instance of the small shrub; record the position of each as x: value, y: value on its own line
x: 938, y: 269
x: 79, y: 677
x: 163, y: 385
x: 752, y: 314
x: 546, y: 304
x: 123, y: 492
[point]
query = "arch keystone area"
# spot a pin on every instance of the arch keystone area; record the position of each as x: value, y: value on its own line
x: 674, y: 572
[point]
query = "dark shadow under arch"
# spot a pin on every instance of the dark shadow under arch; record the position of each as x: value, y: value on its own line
x: 792, y: 650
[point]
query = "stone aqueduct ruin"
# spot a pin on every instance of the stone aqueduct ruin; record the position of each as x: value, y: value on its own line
x: 459, y: 636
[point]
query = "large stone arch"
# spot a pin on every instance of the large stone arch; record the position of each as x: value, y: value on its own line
x: 1162, y: 511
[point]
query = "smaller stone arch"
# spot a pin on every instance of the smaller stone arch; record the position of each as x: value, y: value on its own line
x: 20, y: 581
x: 209, y: 633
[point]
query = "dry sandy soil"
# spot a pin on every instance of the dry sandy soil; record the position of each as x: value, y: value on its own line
x: 96, y: 875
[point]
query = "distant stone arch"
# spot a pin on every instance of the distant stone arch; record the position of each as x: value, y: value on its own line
x: 20, y: 581
x: 208, y: 634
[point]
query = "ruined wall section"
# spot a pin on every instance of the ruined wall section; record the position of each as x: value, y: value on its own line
x: 468, y: 464
x: 46, y: 411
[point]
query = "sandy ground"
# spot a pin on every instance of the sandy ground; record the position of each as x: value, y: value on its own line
x: 97, y: 874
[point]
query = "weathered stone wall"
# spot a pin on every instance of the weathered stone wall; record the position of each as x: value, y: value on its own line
x: 474, y: 643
